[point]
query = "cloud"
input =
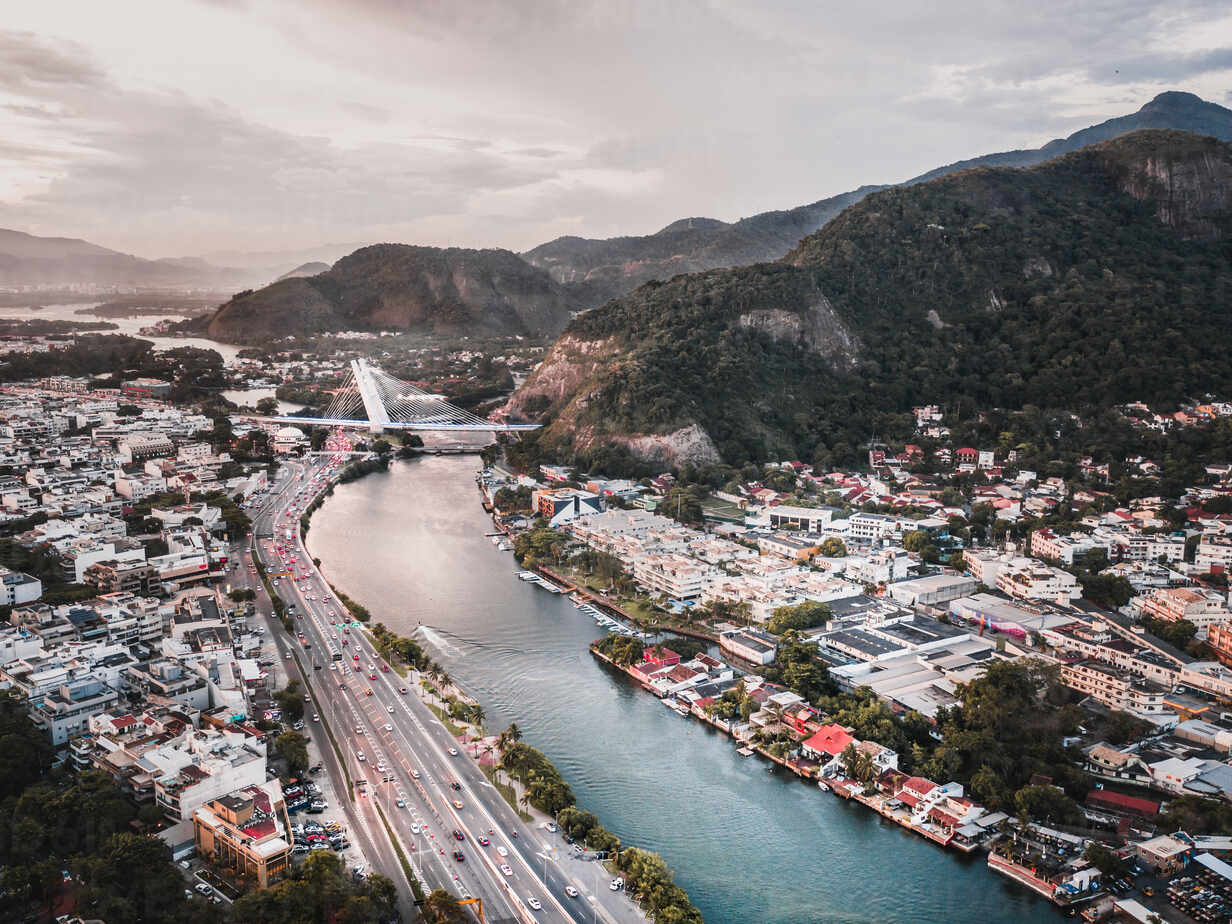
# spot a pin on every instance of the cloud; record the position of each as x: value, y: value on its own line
x: 206, y: 125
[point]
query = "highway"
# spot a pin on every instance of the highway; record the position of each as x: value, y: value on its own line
x: 393, y: 742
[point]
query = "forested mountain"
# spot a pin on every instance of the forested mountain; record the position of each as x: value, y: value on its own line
x: 1097, y: 277
x: 603, y: 269
x: 401, y: 287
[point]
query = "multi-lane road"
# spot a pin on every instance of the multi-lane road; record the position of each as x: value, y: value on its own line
x: 428, y: 788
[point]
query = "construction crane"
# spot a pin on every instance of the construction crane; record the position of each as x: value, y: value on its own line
x: 478, y: 903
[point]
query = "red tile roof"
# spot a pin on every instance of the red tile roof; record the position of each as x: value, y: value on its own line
x: 829, y: 739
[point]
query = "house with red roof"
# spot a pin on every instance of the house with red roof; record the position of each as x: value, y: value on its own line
x: 826, y: 744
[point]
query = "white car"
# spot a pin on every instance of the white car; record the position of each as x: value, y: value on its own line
x: 415, y: 774
x: 390, y: 709
x: 388, y: 727
x: 361, y: 756
x: 571, y: 891
x: 414, y: 829
x: 502, y: 851
x: 506, y: 869
x: 617, y: 885
x: 453, y: 752
x: 534, y: 903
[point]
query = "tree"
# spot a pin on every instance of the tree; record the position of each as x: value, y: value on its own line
x: 801, y: 616
x: 268, y: 407
x: 833, y: 547
x: 441, y: 907
x: 132, y: 879
x: 290, y: 700
x: 1048, y: 804
x: 916, y: 540
x: 293, y: 748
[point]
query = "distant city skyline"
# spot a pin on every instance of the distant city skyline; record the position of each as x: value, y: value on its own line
x: 187, y: 126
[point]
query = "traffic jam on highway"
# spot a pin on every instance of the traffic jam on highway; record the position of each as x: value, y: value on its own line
x: 444, y: 811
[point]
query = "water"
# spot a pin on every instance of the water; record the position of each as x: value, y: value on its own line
x: 248, y: 397
x: 747, y: 844
x: 130, y: 326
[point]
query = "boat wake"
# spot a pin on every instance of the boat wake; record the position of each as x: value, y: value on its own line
x: 438, y: 641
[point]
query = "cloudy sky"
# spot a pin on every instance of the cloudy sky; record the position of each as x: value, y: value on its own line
x: 176, y: 127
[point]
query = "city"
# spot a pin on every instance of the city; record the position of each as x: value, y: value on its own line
x: 522, y: 463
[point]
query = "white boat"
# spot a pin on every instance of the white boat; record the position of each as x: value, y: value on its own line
x: 821, y: 784
x: 527, y: 576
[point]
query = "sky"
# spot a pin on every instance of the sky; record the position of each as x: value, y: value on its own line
x: 185, y: 127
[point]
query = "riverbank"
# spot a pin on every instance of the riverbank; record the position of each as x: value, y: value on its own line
x: 412, y: 548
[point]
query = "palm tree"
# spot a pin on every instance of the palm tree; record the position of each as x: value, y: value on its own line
x: 477, y: 715
x: 515, y: 733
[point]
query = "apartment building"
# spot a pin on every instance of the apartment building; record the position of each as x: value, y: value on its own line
x: 1039, y: 582
x: 1115, y: 688
x: 1204, y: 608
x: 247, y: 831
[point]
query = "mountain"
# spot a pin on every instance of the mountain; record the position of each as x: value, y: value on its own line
x: 27, y: 260
x: 987, y: 287
x: 603, y: 269
x: 402, y: 287
x: 305, y: 269
x: 275, y: 262
x: 1175, y: 110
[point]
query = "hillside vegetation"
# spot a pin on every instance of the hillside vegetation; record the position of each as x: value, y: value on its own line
x: 1099, y: 276
x: 402, y: 287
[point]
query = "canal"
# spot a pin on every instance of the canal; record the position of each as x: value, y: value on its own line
x: 748, y: 844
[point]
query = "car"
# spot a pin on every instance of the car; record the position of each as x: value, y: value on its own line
x: 359, y: 730
x: 380, y: 767
x: 369, y: 691
x: 315, y: 717
x: 571, y: 891
x: 502, y: 851
x: 616, y: 884
x: 388, y: 727
x: 414, y: 774
x: 458, y: 835
x: 534, y: 903
x: 188, y: 892
x: 299, y: 848
x: 360, y: 755
x: 506, y: 869
x: 455, y: 785
x: 389, y: 709
x: 398, y: 802
x: 184, y: 864
x: 453, y: 752
x: 287, y: 656
x: 372, y: 676
x: 457, y: 855
x: 550, y: 827
x: 457, y: 803
x: 415, y: 828
x: 202, y: 888
x: 402, y: 690
x: 1148, y: 891
x: 483, y: 841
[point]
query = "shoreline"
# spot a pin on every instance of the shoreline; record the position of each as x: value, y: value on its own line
x: 465, y: 740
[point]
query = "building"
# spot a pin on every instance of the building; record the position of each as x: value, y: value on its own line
x: 66, y: 711
x: 803, y: 519
x: 785, y: 545
x: 146, y: 388
x: 17, y: 589
x: 1203, y: 608
x: 1164, y: 854
x: 246, y: 831
x: 749, y: 645
x: 1114, y: 687
x: 1039, y: 582
x: 564, y: 505
x: 932, y: 590
x: 137, y: 447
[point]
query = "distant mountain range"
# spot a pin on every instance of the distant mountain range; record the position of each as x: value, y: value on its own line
x: 603, y: 269
x: 305, y: 269
x: 1091, y: 279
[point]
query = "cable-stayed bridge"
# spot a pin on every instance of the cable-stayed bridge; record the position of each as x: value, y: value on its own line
x: 372, y: 399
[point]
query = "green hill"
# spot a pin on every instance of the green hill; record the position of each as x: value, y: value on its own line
x: 402, y: 287
x: 1098, y: 277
